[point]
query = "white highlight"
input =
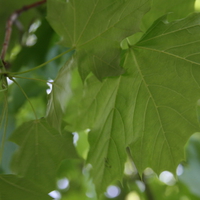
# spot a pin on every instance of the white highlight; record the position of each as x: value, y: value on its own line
x: 113, y: 191
x: 55, y: 194
x: 63, y: 183
x: 167, y: 178
x: 140, y: 185
x: 31, y: 40
x: 48, y: 91
x: 9, y: 81
x: 75, y: 138
x: 34, y: 26
x: 132, y: 196
x: 179, y: 170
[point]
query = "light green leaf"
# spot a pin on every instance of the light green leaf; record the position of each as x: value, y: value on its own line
x: 12, y: 187
x: 41, y: 151
x: 151, y: 108
x: 96, y: 29
x: 59, y: 96
x: 166, y: 63
x: 177, y: 9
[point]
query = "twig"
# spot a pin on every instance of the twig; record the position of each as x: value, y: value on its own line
x: 9, y: 24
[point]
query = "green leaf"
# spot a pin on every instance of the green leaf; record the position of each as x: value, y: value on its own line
x: 32, y: 89
x: 177, y: 9
x: 18, y: 188
x: 152, y: 107
x: 166, y: 65
x: 190, y: 176
x: 41, y: 151
x: 96, y: 29
x: 59, y: 96
x: 159, y: 190
x: 38, y: 51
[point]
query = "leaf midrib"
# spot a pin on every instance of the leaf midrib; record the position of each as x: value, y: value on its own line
x: 154, y: 103
x: 79, y: 46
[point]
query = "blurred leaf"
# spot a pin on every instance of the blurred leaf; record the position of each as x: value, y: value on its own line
x: 31, y: 56
x: 162, y: 191
x: 41, y: 151
x: 191, y: 173
x: 18, y: 188
x: 9, y: 147
x: 96, y: 38
x: 82, y: 144
x: 6, y: 9
x: 60, y: 94
x: 32, y: 89
x: 25, y: 113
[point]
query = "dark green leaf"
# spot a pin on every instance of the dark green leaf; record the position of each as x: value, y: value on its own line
x: 12, y: 187
x: 6, y: 9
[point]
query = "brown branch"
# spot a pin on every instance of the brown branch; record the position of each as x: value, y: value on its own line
x: 9, y: 24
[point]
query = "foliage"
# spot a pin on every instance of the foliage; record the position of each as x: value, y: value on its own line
x: 125, y: 81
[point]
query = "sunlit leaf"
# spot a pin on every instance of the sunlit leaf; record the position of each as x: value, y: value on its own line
x: 152, y: 107
x: 41, y: 151
x: 177, y: 9
x: 60, y: 94
x: 166, y: 63
x: 12, y: 187
x: 95, y: 29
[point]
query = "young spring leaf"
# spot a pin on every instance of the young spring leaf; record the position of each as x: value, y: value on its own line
x: 95, y: 29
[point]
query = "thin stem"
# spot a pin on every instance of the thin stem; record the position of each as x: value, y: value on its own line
x: 10, y: 22
x: 24, y: 95
x: 43, y: 64
x: 34, y: 79
x: 4, y: 116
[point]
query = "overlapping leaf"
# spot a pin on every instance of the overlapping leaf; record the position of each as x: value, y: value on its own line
x: 41, y: 150
x: 151, y: 108
x: 167, y: 63
x: 12, y: 187
x: 96, y: 29
x: 177, y: 9
x: 59, y: 96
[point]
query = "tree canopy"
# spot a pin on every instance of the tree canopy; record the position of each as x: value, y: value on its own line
x: 100, y: 99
